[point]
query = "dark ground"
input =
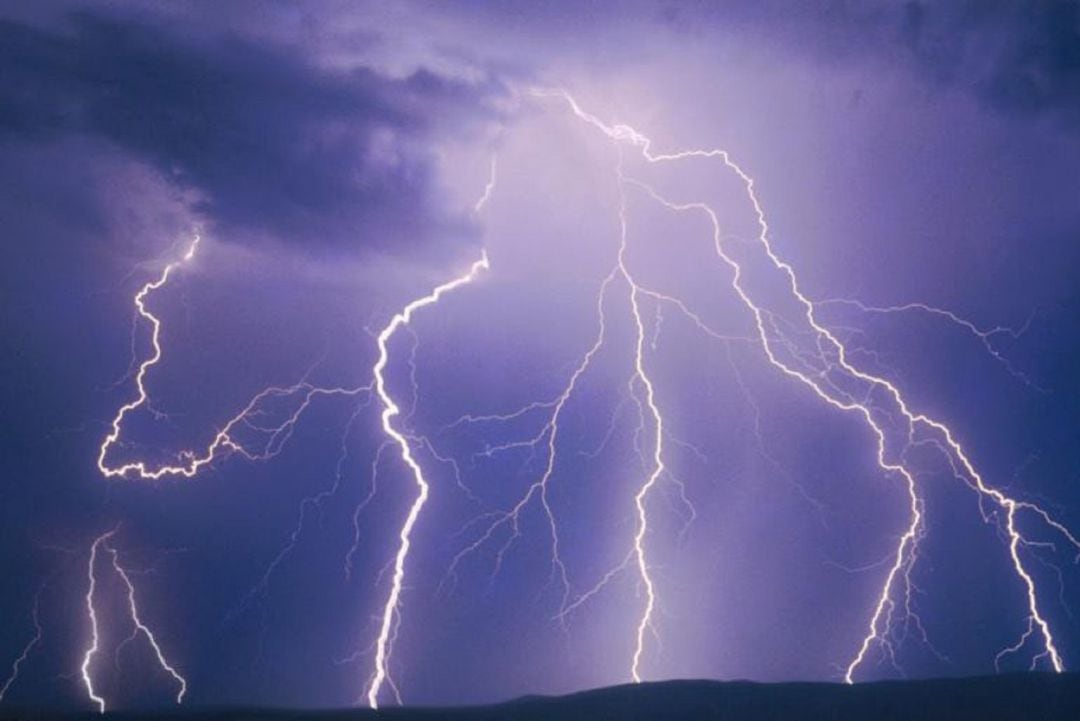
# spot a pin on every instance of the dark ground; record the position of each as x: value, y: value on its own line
x: 1016, y: 697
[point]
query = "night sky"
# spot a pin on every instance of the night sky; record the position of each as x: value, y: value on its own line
x: 918, y: 168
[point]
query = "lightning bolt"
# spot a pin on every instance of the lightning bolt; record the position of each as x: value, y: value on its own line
x: 133, y: 610
x: 658, y: 447
x: 34, y: 641
x: 99, y: 543
x: 489, y: 187
x: 550, y: 432
x: 392, y: 608
x: 833, y: 359
x: 95, y: 639
x: 985, y: 336
x: 272, y: 437
x: 823, y: 367
x: 315, y: 501
x: 142, y: 396
x: 549, y: 436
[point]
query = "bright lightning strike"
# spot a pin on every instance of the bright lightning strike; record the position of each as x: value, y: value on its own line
x: 141, y: 398
x: 392, y: 608
x: 91, y: 611
x: 102, y: 542
x: 269, y: 439
x: 133, y: 610
x: 825, y: 368
x: 834, y: 361
x: 549, y: 435
x: 658, y: 447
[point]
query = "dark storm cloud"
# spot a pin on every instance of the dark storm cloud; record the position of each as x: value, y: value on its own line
x: 1018, y: 56
x: 271, y: 145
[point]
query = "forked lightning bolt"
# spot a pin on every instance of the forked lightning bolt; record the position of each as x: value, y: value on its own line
x: 268, y: 440
x: 140, y: 627
x: 549, y: 436
x: 658, y: 447
x: 822, y: 365
x: 838, y: 382
x: 985, y: 336
x: 392, y: 608
x: 190, y: 468
x: 28, y: 648
x: 102, y: 542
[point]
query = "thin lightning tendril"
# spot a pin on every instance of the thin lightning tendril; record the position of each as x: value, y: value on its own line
x: 34, y: 641
x: 540, y: 487
x: 826, y: 369
x: 140, y: 383
x: 984, y: 335
x: 835, y: 355
x: 273, y: 438
x: 549, y: 435
x: 133, y: 610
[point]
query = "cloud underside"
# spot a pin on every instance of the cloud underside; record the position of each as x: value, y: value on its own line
x: 270, y: 146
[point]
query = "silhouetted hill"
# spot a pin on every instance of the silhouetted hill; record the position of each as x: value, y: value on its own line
x: 1018, y: 697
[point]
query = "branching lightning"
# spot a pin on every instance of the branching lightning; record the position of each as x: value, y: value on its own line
x: 832, y: 357
x: 102, y: 542
x: 269, y: 439
x: 823, y: 365
x: 549, y: 436
x: 392, y: 609
x: 140, y: 627
x: 985, y: 336
x: 192, y: 466
x: 95, y: 638
x: 550, y: 432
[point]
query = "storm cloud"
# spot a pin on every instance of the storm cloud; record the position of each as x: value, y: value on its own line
x: 271, y: 145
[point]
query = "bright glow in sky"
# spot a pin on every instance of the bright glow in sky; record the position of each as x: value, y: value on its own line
x: 439, y: 353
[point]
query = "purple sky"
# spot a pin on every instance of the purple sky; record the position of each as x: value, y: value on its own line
x: 331, y: 157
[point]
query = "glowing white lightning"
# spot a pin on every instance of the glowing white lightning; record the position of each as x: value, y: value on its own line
x: 549, y: 435
x: 390, y: 410
x: 833, y: 354
x: 658, y: 447
x: 550, y: 431
x: 825, y: 369
x: 100, y: 542
x: 140, y: 383
x: 140, y: 627
x: 985, y: 336
x: 225, y: 440
x: 91, y: 611
x: 489, y: 188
